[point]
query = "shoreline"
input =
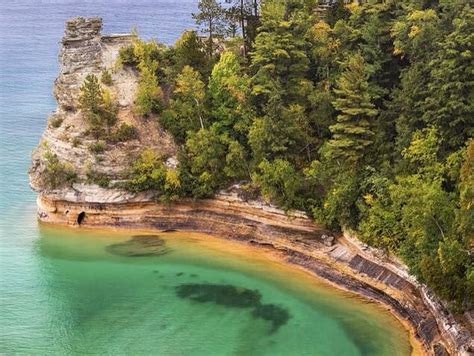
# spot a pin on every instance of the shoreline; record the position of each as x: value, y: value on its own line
x: 295, y: 239
x: 263, y: 254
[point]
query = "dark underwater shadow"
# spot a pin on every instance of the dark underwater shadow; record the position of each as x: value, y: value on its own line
x: 235, y: 297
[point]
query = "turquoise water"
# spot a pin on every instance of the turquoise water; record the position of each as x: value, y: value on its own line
x: 95, y: 293
x: 74, y: 292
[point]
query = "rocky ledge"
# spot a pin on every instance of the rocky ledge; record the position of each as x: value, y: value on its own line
x: 340, y: 260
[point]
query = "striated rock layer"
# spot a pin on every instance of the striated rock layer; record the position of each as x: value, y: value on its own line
x: 342, y: 261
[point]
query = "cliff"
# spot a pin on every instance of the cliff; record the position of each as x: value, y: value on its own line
x: 342, y: 260
x: 86, y: 51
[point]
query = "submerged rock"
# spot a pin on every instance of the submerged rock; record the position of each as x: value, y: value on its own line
x: 235, y: 297
x: 140, y: 246
x: 222, y: 294
x: 273, y: 313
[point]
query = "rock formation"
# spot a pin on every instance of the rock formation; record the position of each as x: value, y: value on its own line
x: 342, y: 261
x: 85, y: 51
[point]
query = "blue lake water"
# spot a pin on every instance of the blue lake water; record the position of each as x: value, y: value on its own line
x: 69, y: 292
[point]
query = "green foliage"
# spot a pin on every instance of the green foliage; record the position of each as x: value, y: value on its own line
x: 98, y: 107
x: 352, y: 134
x: 97, y: 147
x: 94, y: 177
x: 465, y: 215
x: 189, y: 50
x: 206, y: 153
x: 106, y: 77
x: 149, y: 173
x: 415, y: 217
x: 124, y: 132
x: 211, y: 19
x: 145, y: 56
x: 186, y: 110
x: 229, y: 92
x: 337, y: 12
x: 279, y: 58
x: 127, y: 56
x: 91, y: 97
x: 149, y: 95
x: 57, y: 174
x: 279, y: 182
x: 338, y: 190
x: 56, y: 121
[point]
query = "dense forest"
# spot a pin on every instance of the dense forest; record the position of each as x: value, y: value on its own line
x: 361, y: 115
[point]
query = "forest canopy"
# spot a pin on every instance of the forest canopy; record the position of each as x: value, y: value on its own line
x: 362, y: 116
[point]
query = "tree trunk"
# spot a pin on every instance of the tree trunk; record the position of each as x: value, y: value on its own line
x: 210, y: 39
x: 242, y: 25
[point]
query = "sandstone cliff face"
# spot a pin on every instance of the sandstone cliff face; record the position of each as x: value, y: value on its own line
x: 86, y: 51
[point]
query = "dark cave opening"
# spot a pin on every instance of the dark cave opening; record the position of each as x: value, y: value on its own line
x: 81, y: 217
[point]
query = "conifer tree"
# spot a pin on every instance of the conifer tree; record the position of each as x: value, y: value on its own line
x: 228, y: 92
x: 211, y: 18
x: 352, y: 134
x: 280, y: 55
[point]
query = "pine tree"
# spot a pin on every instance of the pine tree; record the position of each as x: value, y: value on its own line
x: 280, y: 55
x: 211, y: 18
x: 352, y: 134
x: 189, y: 50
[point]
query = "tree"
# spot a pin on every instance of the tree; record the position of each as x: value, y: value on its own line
x: 91, y: 99
x: 450, y: 103
x: 279, y: 58
x: 228, y: 92
x: 98, y: 106
x: 207, y: 158
x: 336, y: 12
x: 186, y: 110
x: 211, y: 18
x: 147, y: 173
x: 57, y: 174
x: 279, y: 182
x: 149, y: 94
x: 278, y: 133
x: 352, y: 134
x: 189, y: 50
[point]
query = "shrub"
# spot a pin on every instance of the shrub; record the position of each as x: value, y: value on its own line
x: 97, y: 147
x: 127, y: 56
x: 56, y: 121
x: 147, y: 173
x: 106, y: 77
x: 56, y: 173
x: 149, y: 95
x: 76, y: 141
x: 101, y: 179
x: 125, y: 132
